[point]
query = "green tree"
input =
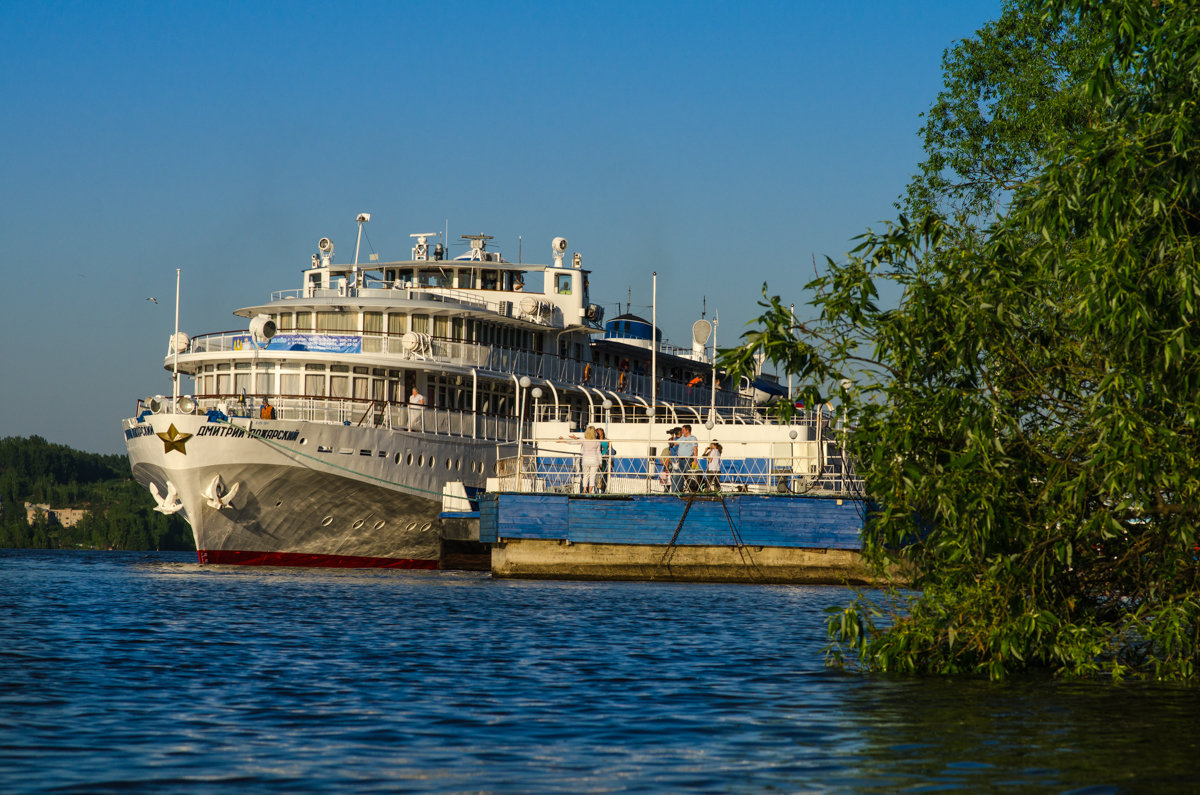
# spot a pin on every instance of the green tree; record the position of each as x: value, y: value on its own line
x: 1009, y: 92
x: 121, y: 514
x: 1026, y: 417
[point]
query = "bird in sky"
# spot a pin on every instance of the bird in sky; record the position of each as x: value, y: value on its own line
x: 152, y: 298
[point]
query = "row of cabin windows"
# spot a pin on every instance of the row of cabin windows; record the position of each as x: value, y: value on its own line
x: 471, y: 279
x: 462, y: 278
x: 459, y: 329
x: 344, y: 381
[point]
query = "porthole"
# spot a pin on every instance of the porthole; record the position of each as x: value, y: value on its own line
x: 409, y: 460
x: 358, y: 525
x: 420, y: 460
x: 431, y: 462
x: 328, y: 520
x: 279, y: 504
x: 304, y: 441
x: 449, y: 464
x: 458, y: 464
x: 397, y: 459
x: 379, y: 525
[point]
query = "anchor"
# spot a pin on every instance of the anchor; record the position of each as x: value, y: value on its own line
x: 217, y: 495
x: 169, y: 504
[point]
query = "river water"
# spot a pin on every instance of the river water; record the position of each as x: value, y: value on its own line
x: 147, y: 672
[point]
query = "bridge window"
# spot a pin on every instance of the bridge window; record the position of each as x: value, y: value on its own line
x: 434, y: 277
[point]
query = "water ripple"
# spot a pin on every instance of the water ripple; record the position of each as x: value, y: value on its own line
x: 147, y: 672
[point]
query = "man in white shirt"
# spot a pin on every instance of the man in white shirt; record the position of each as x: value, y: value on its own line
x: 685, y: 459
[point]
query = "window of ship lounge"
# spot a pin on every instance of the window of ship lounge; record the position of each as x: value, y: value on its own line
x: 314, y: 380
x: 289, y: 379
x: 337, y: 321
x: 264, y: 379
x: 397, y: 324
x: 361, y: 383
x: 372, y: 341
x: 339, y: 380
x: 241, y: 378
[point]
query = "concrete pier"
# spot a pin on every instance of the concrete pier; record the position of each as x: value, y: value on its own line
x: 687, y: 538
x: 535, y: 558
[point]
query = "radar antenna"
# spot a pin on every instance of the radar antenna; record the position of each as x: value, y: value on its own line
x: 478, y: 245
x: 420, y: 251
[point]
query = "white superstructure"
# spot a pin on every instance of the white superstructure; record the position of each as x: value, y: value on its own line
x: 385, y: 382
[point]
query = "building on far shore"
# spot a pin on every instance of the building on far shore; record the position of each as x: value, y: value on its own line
x: 64, y: 517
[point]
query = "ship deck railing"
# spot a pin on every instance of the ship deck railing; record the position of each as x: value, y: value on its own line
x: 629, y: 391
x: 361, y: 413
x: 806, y: 468
x: 673, y: 413
x: 447, y: 295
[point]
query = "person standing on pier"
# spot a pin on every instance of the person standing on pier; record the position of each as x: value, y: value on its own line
x: 712, y: 465
x: 589, y: 459
x: 685, y: 458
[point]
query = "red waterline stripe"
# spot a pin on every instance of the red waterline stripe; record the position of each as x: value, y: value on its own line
x: 238, y: 557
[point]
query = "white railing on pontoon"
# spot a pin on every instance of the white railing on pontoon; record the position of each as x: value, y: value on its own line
x: 812, y: 468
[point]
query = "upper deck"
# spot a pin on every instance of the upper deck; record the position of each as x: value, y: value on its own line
x: 480, y: 283
x: 463, y: 327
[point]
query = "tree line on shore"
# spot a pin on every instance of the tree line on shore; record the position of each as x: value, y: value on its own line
x: 120, y: 513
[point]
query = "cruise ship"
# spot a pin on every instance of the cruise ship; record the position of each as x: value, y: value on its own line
x: 351, y: 420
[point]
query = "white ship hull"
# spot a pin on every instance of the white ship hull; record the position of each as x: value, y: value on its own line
x: 306, y: 493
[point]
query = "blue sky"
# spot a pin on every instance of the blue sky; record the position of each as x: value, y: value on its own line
x: 722, y: 144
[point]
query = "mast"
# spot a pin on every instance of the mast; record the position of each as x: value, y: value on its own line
x: 653, y: 410
x: 712, y: 406
x: 175, y: 348
x: 654, y: 343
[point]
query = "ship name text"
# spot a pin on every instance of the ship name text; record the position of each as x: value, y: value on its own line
x: 237, y: 432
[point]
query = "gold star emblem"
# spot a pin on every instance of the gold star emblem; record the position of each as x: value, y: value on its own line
x: 173, y: 439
